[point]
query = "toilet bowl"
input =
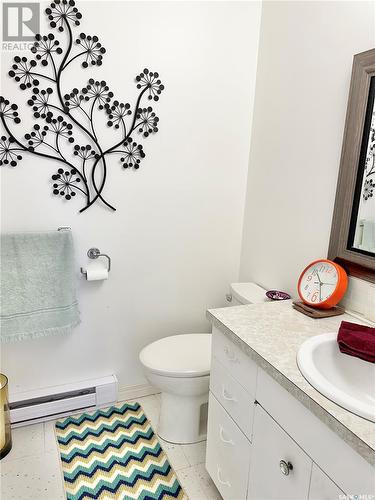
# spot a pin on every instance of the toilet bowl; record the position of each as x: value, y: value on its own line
x: 179, y: 367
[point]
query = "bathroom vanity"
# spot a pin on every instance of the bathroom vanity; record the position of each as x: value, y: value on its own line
x: 271, y: 435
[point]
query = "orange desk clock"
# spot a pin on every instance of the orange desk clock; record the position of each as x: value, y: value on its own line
x: 322, y: 284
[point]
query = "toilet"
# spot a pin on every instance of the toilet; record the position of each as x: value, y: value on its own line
x: 179, y: 367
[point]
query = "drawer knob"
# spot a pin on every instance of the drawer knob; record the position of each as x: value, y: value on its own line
x: 285, y: 467
x: 228, y: 297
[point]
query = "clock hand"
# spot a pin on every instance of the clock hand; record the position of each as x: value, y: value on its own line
x: 320, y: 283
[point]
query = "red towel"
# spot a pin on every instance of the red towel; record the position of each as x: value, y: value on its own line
x: 357, y: 340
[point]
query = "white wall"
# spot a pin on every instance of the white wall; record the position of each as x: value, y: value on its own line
x: 175, y: 238
x: 304, y: 66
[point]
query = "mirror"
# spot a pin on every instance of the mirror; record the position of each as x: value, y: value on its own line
x: 352, y: 242
x: 362, y: 225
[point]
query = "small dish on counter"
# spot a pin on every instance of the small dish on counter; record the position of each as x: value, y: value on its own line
x: 277, y: 295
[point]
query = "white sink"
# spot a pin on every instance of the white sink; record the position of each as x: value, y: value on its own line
x: 345, y: 380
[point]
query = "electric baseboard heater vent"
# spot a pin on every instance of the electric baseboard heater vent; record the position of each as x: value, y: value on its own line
x: 58, y: 401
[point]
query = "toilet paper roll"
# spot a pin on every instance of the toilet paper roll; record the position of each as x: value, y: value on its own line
x: 95, y: 273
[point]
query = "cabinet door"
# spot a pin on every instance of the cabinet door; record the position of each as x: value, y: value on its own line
x: 322, y: 487
x: 280, y: 469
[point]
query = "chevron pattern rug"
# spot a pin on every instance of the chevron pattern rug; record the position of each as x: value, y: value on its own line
x: 114, y: 453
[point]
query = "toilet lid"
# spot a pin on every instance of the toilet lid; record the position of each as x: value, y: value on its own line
x: 179, y: 356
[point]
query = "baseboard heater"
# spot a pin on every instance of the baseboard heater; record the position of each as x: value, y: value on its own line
x: 53, y: 402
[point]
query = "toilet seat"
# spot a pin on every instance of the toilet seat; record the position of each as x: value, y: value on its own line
x: 187, y: 355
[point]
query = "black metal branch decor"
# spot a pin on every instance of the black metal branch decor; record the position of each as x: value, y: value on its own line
x: 59, y: 113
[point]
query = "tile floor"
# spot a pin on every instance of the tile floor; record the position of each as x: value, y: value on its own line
x: 32, y: 472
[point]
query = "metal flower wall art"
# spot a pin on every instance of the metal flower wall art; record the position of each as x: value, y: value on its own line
x: 64, y: 116
x: 368, y: 188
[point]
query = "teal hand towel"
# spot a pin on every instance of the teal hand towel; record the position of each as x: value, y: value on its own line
x: 38, y: 294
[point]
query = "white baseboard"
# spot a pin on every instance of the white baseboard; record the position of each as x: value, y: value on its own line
x: 126, y: 392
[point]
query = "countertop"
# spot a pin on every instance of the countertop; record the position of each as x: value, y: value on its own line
x: 271, y: 334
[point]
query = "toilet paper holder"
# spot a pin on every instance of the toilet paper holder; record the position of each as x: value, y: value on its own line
x: 94, y: 253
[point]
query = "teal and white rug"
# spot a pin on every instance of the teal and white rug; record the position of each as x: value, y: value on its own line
x: 114, y: 453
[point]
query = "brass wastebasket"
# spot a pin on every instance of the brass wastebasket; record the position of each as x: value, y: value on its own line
x: 5, y: 431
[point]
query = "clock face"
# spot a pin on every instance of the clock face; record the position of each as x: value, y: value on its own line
x: 318, y: 282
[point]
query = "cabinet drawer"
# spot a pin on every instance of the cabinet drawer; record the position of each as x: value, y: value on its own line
x: 273, y: 450
x: 228, y: 453
x: 232, y: 396
x: 240, y: 366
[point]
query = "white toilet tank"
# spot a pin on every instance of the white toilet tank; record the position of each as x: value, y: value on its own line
x: 246, y: 293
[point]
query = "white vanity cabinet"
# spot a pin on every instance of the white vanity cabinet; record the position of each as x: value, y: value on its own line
x: 264, y: 444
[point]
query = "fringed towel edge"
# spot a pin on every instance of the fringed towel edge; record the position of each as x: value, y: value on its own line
x: 59, y: 330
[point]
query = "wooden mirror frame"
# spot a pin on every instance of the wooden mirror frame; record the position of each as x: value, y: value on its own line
x: 355, y: 263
